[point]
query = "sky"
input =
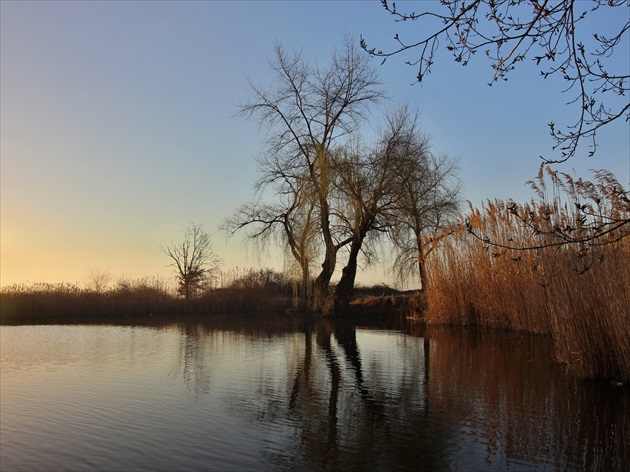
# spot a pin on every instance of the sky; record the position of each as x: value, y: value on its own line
x: 119, y: 126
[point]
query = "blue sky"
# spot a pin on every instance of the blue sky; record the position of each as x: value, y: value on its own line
x: 118, y: 124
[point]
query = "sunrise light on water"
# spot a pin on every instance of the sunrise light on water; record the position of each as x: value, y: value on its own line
x: 317, y: 236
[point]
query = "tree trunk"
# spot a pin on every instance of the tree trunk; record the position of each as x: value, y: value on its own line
x: 421, y: 270
x: 305, y: 281
x: 346, y: 283
x: 330, y: 260
x: 322, y: 282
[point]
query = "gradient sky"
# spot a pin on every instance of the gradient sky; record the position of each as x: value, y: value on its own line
x: 118, y: 124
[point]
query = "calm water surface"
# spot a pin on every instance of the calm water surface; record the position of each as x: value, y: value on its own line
x: 285, y: 394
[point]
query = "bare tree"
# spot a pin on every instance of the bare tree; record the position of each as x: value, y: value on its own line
x: 429, y: 199
x: 397, y: 189
x: 554, y: 34
x: 369, y: 183
x: 361, y: 193
x: 98, y: 279
x: 194, y: 260
x: 307, y: 112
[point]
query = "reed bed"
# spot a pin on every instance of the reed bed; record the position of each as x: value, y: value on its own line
x: 244, y: 292
x: 559, y: 265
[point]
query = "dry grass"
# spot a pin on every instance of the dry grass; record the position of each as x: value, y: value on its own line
x: 579, y: 293
x: 245, y: 292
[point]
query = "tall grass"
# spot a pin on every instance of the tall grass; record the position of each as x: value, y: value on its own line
x: 572, y: 281
x: 242, y: 291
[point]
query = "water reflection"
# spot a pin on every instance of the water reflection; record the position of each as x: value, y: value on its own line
x: 504, y: 392
x: 282, y: 393
x: 345, y: 396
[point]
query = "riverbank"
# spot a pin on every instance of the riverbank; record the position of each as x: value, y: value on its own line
x: 70, y: 303
x: 594, y: 334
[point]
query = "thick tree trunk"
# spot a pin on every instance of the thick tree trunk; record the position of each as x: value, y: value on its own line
x: 305, y: 281
x: 423, y: 275
x: 421, y: 270
x: 322, y: 282
x: 346, y: 283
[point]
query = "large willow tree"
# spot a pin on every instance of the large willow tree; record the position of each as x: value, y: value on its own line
x: 308, y: 111
x: 396, y: 189
x: 333, y: 190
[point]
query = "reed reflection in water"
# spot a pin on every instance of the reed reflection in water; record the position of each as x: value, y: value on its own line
x: 280, y: 393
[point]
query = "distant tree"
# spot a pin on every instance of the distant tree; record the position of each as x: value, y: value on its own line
x: 551, y: 33
x: 194, y: 260
x: 98, y: 279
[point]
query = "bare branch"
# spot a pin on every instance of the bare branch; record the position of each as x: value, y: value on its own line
x: 194, y: 260
x: 552, y: 34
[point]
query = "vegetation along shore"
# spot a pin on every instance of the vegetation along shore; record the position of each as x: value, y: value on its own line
x: 346, y: 177
x: 557, y: 267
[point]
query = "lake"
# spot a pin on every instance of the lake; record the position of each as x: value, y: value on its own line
x: 281, y: 393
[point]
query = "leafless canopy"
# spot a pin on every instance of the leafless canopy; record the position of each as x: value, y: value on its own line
x: 289, y: 220
x: 307, y: 111
x: 551, y: 33
x: 98, y: 279
x: 428, y: 196
x: 332, y: 190
x: 194, y: 259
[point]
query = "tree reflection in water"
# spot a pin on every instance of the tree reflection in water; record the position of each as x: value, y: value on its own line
x: 331, y: 395
x: 193, y: 366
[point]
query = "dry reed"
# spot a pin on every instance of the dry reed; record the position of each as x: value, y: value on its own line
x: 243, y: 292
x: 559, y: 265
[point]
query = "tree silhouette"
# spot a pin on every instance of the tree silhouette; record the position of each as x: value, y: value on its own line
x: 308, y: 111
x: 194, y: 260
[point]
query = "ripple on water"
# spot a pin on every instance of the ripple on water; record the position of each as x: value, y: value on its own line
x: 208, y: 397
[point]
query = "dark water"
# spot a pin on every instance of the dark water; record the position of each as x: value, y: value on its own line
x: 286, y: 394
